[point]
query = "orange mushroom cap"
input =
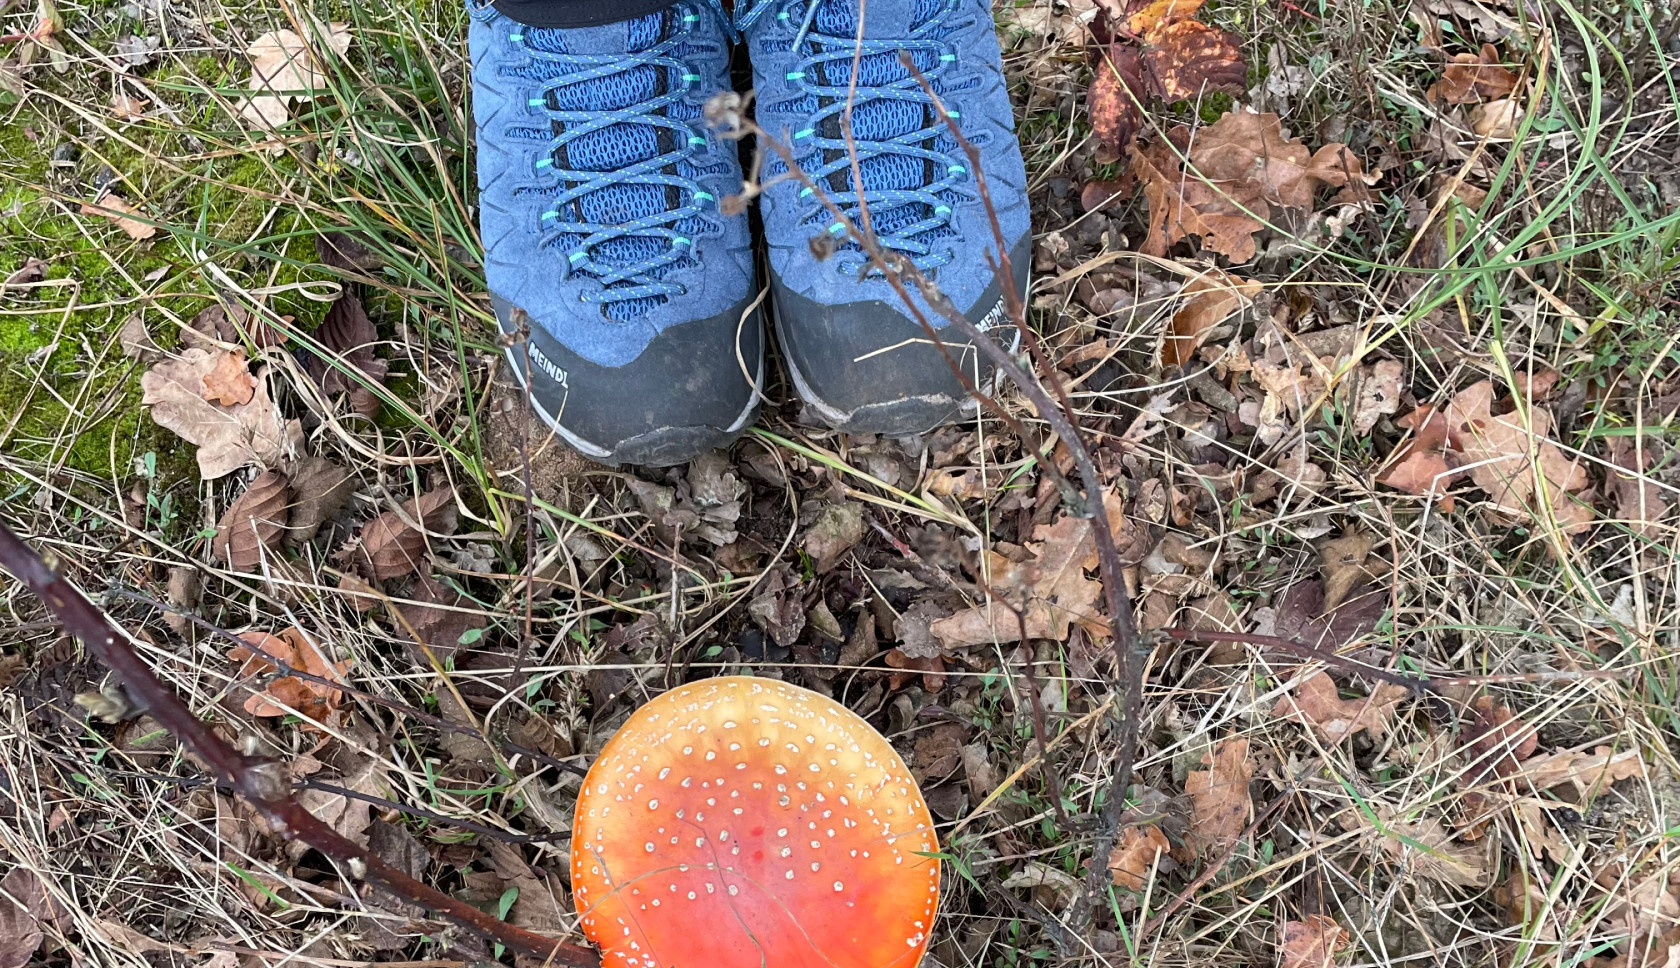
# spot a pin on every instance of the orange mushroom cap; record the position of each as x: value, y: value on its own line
x: 747, y: 823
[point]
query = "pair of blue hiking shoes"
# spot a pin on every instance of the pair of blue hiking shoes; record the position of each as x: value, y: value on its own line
x: 601, y: 207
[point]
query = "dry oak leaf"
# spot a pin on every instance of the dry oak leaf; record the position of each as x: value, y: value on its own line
x: 1496, y: 120
x: 440, y: 615
x: 1510, y: 459
x: 1219, y: 801
x: 313, y: 700
x: 1181, y: 205
x: 229, y: 381
x: 1243, y: 167
x: 1420, y: 465
x: 255, y: 524
x: 1639, y: 501
x: 1134, y: 857
x: 24, y: 909
x: 121, y: 214
x: 284, y: 64
x: 1315, y: 702
x: 394, y: 542
x: 1471, y: 78
x: 347, y: 816
x: 1585, y: 774
x: 1209, y: 299
x: 1310, y: 943
x: 228, y: 437
x: 1050, y: 588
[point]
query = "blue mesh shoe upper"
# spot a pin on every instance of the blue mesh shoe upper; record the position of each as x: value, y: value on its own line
x: 914, y: 178
x: 599, y: 182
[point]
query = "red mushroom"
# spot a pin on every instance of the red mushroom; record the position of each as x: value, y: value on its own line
x: 747, y: 823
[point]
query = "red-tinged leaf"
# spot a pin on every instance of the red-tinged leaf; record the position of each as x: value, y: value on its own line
x: 1116, y: 93
x: 1188, y: 59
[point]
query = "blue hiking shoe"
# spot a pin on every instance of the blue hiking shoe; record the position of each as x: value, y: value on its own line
x: 856, y: 355
x: 598, y: 203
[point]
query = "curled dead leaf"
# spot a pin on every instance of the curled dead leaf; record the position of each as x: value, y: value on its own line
x: 1470, y: 78
x: 1135, y: 856
x: 1209, y: 299
x: 229, y: 382
x: 228, y: 437
x: 313, y: 700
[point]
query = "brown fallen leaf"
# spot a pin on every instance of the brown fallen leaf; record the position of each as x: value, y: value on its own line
x: 1470, y: 78
x: 1496, y: 741
x: 1315, y: 702
x: 1582, y: 775
x: 1156, y: 49
x: 287, y: 67
x: 121, y: 214
x: 349, y: 817
x: 229, y: 382
x: 32, y: 271
x: 1050, y: 588
x: 25, y: 910
x: 1380, y: 387
x: 320, y: 490
x: 254, y: 524
x: 1640, y: 503
x: 1188, y: 59
x: 1243, y: 168
x: 1514, y: 462
x: 1134, y: 857
x: 1209, y: 299
x: 1540, y: 834
x: 349, y: 337
x: 313, y: 700
x: 1430, y: 850
x: 228, y: 437
x: 1182, y: 205
x: 1219, y: 800
x: 441, y: 616
x: 1420, y: 466
x: 393, y: 543
x: 1113, y: 100
x: 127, y: 107
x: 1348, y: 564
x: 1311, y: 942
x: 1496, y: 120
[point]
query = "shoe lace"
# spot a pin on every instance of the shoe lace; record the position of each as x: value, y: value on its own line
x: 907, y: 220
x: 636, y: 279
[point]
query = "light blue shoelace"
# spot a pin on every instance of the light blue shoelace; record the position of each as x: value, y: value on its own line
x: 581, y: 69
x: 840, y: 51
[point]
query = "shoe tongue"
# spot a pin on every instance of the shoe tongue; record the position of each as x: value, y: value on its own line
x: 883, y: 19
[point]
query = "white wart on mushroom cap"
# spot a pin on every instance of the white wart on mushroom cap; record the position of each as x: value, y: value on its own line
x: 746, y: 823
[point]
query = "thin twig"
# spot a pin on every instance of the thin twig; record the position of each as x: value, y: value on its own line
x: 257, y: 780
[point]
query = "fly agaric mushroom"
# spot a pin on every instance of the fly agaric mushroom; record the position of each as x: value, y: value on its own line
x: 746, y: 823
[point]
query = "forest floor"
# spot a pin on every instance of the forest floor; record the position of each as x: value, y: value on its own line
x: 1377, y: 351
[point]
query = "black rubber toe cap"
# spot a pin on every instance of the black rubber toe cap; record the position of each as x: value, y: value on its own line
x: 687, y: 393
x: 866, y: 367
